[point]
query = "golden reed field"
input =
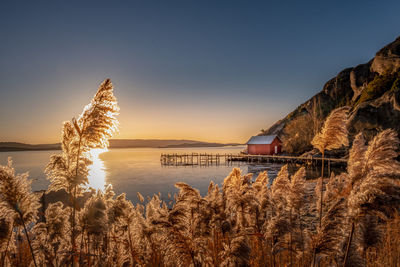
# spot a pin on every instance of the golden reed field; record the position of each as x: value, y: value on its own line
x: 348, y: 219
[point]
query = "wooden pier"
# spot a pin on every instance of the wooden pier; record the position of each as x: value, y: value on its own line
x: 216, y: 159
x: 191, y: 159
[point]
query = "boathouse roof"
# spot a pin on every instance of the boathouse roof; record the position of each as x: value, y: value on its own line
x: 261, y: 140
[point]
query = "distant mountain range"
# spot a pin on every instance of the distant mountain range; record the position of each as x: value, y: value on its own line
x: 117, y: 143
x: 15, y: 146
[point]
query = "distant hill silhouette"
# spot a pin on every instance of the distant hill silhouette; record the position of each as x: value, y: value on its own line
x: 116, y: 143
x: 15, y: 146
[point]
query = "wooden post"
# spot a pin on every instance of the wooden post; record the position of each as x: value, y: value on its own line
x: 329, y: 168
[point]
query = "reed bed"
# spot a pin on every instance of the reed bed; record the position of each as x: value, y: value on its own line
x: 351, y: 219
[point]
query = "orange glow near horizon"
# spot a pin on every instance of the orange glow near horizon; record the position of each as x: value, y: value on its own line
x: 220, y: 129
x: 221, y: 119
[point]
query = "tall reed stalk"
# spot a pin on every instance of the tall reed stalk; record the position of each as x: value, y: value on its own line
x: 333, y: 135
x: 69, y: 170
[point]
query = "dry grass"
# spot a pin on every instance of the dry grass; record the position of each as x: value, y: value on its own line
x: 243, y: 223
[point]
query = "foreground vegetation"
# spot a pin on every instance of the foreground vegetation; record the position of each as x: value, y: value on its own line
x: 351, y: 219
x: 300, y: 126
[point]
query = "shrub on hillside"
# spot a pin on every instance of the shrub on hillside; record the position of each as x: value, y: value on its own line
x: 378, y: 86
x: 298, y: 134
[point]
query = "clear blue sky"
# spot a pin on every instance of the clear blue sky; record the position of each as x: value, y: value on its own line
x: 208, y: 70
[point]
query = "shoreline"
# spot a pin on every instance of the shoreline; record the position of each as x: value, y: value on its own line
x: 17, y: 149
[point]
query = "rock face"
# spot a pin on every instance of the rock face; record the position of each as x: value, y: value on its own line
x: 359, y: 78
x: 388, y: 58
x: 373, y: 109
x: 376, y: 115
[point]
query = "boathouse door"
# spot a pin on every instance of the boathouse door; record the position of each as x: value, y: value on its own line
x: 276, y: 149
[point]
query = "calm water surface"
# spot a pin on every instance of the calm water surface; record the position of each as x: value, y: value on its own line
x: 133, y: 170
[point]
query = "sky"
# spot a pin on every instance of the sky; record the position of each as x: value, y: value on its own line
x: 214, y: 71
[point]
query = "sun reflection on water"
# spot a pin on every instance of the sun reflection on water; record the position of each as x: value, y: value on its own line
x: 97, y: 173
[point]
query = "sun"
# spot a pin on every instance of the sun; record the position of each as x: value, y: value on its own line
x: 97, y: 173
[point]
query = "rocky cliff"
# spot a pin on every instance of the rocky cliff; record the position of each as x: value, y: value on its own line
x: 371, y: 89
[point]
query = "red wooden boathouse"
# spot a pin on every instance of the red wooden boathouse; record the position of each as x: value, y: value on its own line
x: 264, y: 145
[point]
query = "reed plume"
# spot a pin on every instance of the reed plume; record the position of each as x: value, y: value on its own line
x: 372, y: 174
x: 93, y: 222
x: 280, y: 187
x: 336, y: 187
x: 174, y: 228
x: 278, y: 223
x: 380, y: 157
x: 122, y: 217
x: 297, y: 192
x: 296, y: 200
x: 52, y: 240
x: 94, y: 215
x: 325, y: 244
x: 219, y: 223
x: 17, y: 200
x: 239, y: 198
x: 374, y: 191
x: 92, y: 128
x: 263, y: 198
x: 333, y: 135
x: 356, y: 162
